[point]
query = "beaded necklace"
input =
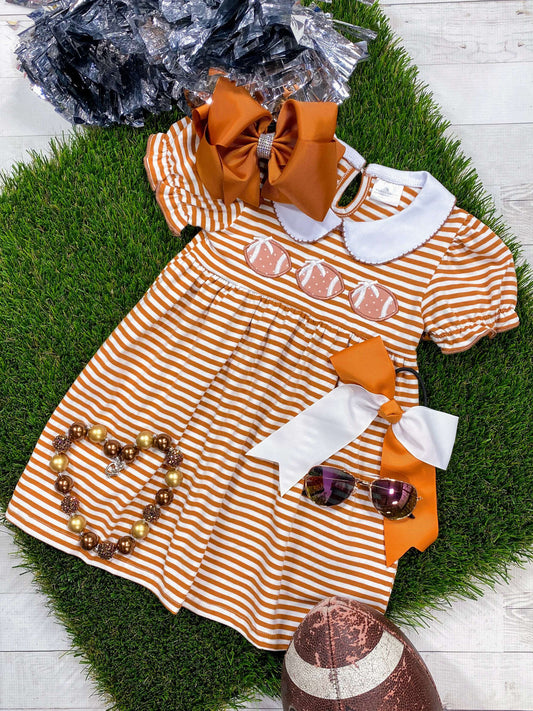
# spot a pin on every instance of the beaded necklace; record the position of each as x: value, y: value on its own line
x: 121, y: 456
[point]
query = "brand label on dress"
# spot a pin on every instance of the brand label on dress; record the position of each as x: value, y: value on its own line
x: 389, y: 193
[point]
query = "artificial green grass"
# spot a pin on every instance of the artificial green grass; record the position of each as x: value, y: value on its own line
x: 81, y: 239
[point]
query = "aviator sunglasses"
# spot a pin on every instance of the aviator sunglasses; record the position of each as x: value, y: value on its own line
x: 329, y: 486
x: 392, y: 498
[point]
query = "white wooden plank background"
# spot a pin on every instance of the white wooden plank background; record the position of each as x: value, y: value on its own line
x: 477, y: 57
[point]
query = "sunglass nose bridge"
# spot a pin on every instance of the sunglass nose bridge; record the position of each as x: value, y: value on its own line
x: 362, y: 484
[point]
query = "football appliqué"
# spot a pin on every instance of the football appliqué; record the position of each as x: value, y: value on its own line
x: 373, y: 301
x: 267, y: 257
x: 346, y: 655
x: 319, y: 280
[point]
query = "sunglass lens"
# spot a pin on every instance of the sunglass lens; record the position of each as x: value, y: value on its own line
x: 393, y: 499
x: 328, y: 486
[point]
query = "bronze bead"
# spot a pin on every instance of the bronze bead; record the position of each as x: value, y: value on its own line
x: 163, y: 442
x: 89, y: 540
x: 129, y: 452
x: 59, y: 463
x: 145, y: 439
x: 111, y: 448
x: 173, y: 477
x: 77, y: 430
x: 164, y: 497
x: 63, y: 483
x: 125, y: 545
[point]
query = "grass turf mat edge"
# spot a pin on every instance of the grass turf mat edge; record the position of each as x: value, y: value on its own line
x: 64, y: 229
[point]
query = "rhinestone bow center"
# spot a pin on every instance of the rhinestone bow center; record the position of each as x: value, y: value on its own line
x: 264, y: 145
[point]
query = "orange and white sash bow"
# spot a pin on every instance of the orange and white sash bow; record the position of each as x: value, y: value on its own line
x: 416, y: 441
x: 302, y: 167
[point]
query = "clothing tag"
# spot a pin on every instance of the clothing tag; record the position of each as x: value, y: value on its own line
x: 389, y: 193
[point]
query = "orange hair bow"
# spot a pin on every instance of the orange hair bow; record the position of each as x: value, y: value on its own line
x: 302, y: 152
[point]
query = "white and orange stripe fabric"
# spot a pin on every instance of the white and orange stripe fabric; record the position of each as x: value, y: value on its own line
x: 219, y: 356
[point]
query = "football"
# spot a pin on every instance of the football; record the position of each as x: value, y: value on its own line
x: 319, y: 280
x: 267, y: 257
x: 373, y: 301
x: 346, y: 656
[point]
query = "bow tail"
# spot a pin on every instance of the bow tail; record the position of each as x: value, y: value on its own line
x: 421, y: 531
x: 319, y: 431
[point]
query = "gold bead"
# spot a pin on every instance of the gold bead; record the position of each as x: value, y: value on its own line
x: 173, y: 477
x: 76, y: 523
x: 125, y: 545
x: 59, y: 463
x: 140, y: 529
x: 97, y: 434
x: 145, y: 439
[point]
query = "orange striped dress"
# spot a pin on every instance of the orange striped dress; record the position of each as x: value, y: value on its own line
x: 229, y: 343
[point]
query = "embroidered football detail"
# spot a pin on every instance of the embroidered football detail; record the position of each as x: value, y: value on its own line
x: 373, y: 301
x: 267, y: 257
x: 319, y: 280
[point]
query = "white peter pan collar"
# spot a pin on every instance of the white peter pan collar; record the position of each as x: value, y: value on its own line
x: 381, y: 240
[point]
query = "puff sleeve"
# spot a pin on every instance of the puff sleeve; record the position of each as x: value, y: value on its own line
x: 170, y: 163
x: 473, y: 290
